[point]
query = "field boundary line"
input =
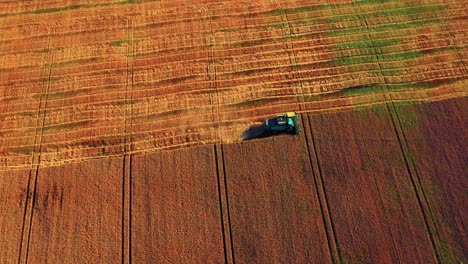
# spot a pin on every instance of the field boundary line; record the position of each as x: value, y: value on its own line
x: 318, y: 110
x: 453, y: 94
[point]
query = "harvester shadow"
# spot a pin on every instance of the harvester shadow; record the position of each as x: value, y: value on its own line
x: 257, y: 132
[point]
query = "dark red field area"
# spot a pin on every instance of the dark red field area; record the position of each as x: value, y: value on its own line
x: 77, y: 214
x: 275, y: 214
x: 175, y: 208
x: 437, y: 137
x: 373, y: 206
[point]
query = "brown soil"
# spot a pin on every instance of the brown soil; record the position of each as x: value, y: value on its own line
x: 13, y: 190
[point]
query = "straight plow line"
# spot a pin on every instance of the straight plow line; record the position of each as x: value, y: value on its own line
x: 247, y: 79
x: 250, y: 14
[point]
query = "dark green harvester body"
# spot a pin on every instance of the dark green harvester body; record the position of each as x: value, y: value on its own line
x: 288, y: 123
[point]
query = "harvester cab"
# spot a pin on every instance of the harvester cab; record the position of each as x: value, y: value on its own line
x: 288, y: 123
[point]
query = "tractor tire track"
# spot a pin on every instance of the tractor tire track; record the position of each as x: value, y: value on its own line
x: 333, y: 246
x: 222, y: 183
x: 411, y: 168
x: 34, y: 172
x: 127, y: 183
x: 32, y: 178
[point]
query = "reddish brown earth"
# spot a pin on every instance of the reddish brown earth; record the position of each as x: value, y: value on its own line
x: 437, y: 137
x: 76, y: 214
x: 373, y: 206
x: 274, y: 212
x: 175, y: 208
x: 13, y: 187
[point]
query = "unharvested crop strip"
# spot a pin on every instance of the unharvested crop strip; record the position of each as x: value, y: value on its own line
x: 415, y: 183
x: 368, y: 157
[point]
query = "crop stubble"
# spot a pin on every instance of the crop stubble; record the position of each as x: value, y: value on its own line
x: 164, y: 60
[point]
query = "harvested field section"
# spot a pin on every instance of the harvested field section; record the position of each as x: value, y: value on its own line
x: 275, y: 214
x: 398, y: 46
x: 175, y: 208
x: 77, y: 213
x: 166, y: 67
x: 436, y: 134
x: 20, y: 111
x: 373, y: 206
x: 13, y: 191
x: 85, y: 123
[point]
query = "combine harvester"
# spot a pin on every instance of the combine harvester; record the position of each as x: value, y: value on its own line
x: 284, y: 123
